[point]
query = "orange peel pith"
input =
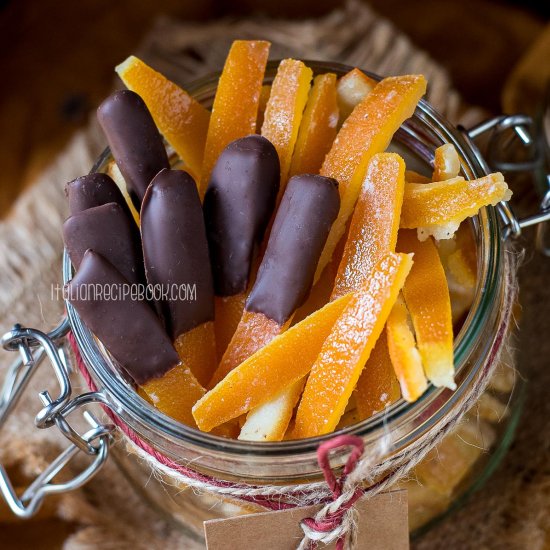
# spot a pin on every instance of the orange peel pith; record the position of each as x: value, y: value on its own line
x: 446, y: 163
x: 352, y: 88
x: 404, y: 355
x: 269, y: 421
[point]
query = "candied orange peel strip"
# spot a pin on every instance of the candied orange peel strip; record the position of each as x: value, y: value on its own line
x: 375, y: 222
x: 377, y: 386
x: 254, y: 331
x: 269, y: 421
x: 235, y: 108
x: 182, y: 120
x: 175, y: 394
x: 462, y: 262
x: 459, y: 259
x: 446, y: 163
x: 285, y: 107
x: 367, y: 131
x: 270, y: 371
x: 319, y: 295
x: 404, y: 354
x: 336, y: 370
x: 438, y: 208
x: 427, y: 297
x: 229, y: 310
x: 352, y: 88
x: 197, y: 349
x: 264, y: 98
x: 318, y: 127
x: 414, y: 177
x: 460, y: 267
x: 349, y: 418
x: 114, y: 171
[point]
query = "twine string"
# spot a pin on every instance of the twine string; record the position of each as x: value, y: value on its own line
x: 335, y: 520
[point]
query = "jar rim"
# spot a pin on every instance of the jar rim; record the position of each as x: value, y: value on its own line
x: 489, y: 250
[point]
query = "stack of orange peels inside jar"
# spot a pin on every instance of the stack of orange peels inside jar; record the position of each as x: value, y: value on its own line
x: 323, y: 279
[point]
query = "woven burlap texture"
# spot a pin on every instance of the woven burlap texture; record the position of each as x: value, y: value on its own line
x: 510, y: 513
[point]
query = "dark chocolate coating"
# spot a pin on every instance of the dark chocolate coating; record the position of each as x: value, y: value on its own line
x: 238, y: 204
x: 307, y: 211
x: 175, y: 249
x: 94, y: 190
x: 128, y: 328
x: 107, y: 230
x: 134, y: 141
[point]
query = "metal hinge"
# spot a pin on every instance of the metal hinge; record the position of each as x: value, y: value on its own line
x: 524, y: 127
x: 34, y: 347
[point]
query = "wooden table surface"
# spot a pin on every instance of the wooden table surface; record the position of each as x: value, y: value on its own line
x: 57, y: 58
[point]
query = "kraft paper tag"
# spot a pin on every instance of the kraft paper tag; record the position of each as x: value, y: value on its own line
x: 382, y: 524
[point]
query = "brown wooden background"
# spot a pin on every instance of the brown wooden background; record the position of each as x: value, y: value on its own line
x: 57, y: 58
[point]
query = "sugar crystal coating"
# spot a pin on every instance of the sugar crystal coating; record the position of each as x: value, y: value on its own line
x: 433, y: 205
x: 284, y: 110
x: 346, y: 350
x: 375, y: 222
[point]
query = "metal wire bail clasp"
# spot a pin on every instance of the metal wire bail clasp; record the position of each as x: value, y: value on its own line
x: 34, y: 346
x: 525, y: 128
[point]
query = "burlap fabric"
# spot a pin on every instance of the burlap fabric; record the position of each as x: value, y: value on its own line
x: 510, y: 513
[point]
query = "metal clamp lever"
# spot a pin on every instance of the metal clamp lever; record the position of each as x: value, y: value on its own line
x: 522, y: 125
x: 35, y: 346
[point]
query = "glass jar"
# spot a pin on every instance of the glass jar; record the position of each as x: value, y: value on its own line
x: 459, y: 463
x: 478, y: 345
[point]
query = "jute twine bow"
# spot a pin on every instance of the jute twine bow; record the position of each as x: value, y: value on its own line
x: 335, y: 520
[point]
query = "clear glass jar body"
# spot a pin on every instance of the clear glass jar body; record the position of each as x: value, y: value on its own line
x: 479, y: 339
